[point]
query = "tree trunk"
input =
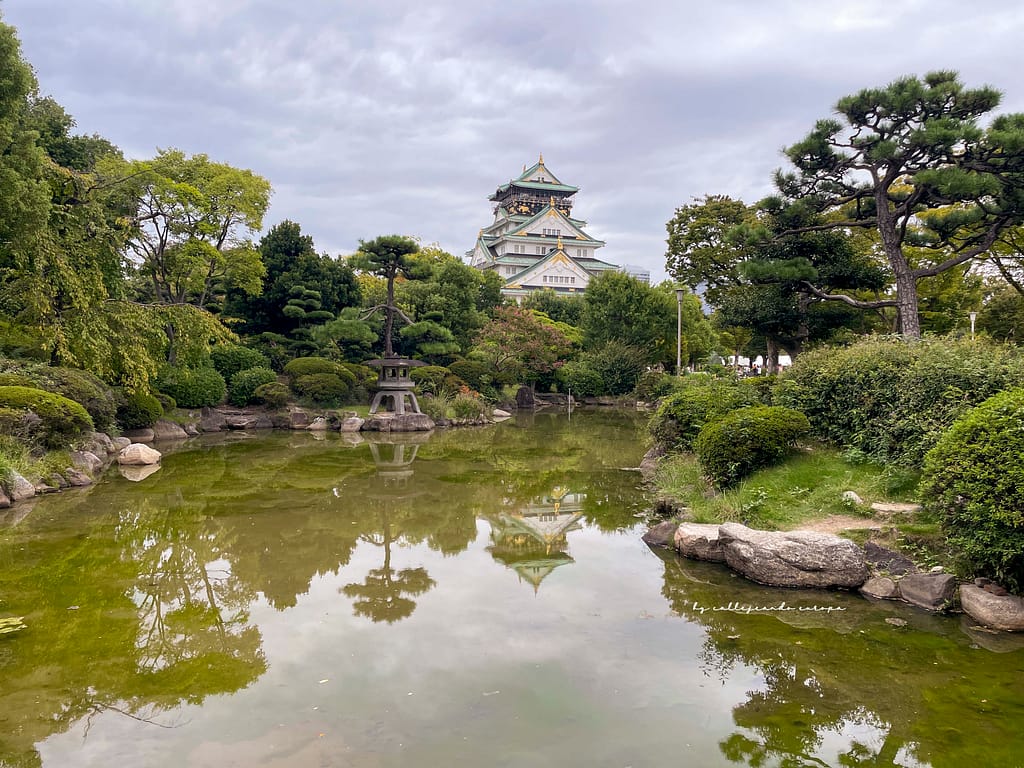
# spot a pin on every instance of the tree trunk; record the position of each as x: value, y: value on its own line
x: 771, y: 358
x: 906, y: 285
x: 389, y: 315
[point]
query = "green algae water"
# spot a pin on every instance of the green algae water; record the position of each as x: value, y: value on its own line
x: 478, y: 597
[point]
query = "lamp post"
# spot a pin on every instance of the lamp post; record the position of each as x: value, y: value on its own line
x: 679, y: 331
x: 973, y: 316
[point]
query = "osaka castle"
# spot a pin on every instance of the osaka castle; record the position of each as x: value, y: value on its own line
x: 534, y: 242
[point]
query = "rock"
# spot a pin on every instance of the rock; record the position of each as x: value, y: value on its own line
x: 319, y: 424
x: 211, y: 420
x: 669, y: 506
x: 649, y: 463
x: 701, y: 541
x: 661, y: 535
x: 298, y: 418
x: 20, y: 488
x: 931, y: 591
x: 236, y: 421
x: 102, y: 438
x: 5, y: 502
x: 498, y: 413
x: 852, y: 496
x: 137, y: 453
x: 77, y: 479
x: 794, y: 558
x: 140, y: 436
x: 42, y: 488
x: 995, y: 589
x: 409, y: 422
x: 887, y: 560
x: 58, y: 480
x: 168, y: 430
x: 1005, y: 612
x: 896, y: 621
x: 86, y: 461
x: 138, y: 472
x: 525, y: 398
x: 191, y: 429
x: 880, y: 587
x: 352, y: 424
x: 895, y: 508
x: 120, y: 443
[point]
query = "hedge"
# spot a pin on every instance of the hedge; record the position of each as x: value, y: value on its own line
x: 700, y: 400
x: 62, y: 420
x: 746, y: 440
x: 229, y: 359
x: 974, y: 481
x: 193, y: 387
x: 244, y: 384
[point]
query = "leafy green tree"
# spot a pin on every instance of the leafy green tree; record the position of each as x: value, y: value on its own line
x: 562, y: 309
x: 520, y: 345
x: 910, y: 161
x: 389, y: 257
x: 290, y: 259
x: 618, y: 307
x: 347, y: 337
x: 192, y: 222
x: 53, y: 124
x: 1002, y: 316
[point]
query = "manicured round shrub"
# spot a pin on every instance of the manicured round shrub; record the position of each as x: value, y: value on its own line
x: 63, y: 420
x: 229, y: 359
x: 167, y: 402
x: 192, y: 387
x: 325, y: 388
x: 138, y: 410
x: 429, y: 378
x: 474, y: 372
x: 273, y: 395
x: 307, y: 366
x: 746, y: 440
x: 974, y: 480
x: 699, y: 400
x: 242, y: 390
x: 365, y: 376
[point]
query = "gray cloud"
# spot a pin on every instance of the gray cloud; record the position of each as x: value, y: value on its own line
x: 402, y: 117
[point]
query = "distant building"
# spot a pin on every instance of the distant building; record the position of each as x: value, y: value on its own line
x: 641, y: 274
x: 533, y: 242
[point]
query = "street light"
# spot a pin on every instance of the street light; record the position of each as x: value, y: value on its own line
x: 679, y: 331
x: 973, y: 316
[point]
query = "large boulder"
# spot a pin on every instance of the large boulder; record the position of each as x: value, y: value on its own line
x: 120, y: 443
x: 5, y: 502
x: 931, y: 591
x: 86, y: 461
x: 319, y: 424
x: 700, y: 541
x: 409, y: 422
x: 298, y: 418
x: 137, y: 453
x: 20, y: 488
x: 77, y: 479
x: 212, y: 420
x: 881, y: 588
x: 793, y: 558
x: 99, y: 443
x: 887, y: 560
x: 525, y: 398
x: 168, y: 430
x: 1004, y: 612
x: 351, y: 424
x: 661, y: 535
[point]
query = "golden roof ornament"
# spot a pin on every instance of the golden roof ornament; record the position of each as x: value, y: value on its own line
x: 559, y: 242
x: 540, y: 160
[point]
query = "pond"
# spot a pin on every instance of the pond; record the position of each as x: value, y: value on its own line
x: 478, y: 597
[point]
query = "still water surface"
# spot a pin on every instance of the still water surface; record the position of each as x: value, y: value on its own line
x: 473, y: 598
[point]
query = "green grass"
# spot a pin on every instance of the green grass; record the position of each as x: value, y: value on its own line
x: 807, y: 487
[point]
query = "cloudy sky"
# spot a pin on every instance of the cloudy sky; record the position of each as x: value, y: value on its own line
x: 377, y: 116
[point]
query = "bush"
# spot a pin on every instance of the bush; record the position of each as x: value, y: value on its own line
x: 746, y: 440
x: 700, y: 400
x: 229, y: 359
x: 242, y: 390
x: 474, y: 372
x: 308, y: 366
x: 429, y: 378
x: 192, y: 387
x: 974, y: 480
x: 324, y: 388
x: 273, y: 395
x: 618, y: 365
x: 62, y: 420
x: 654, y: 385
x: 167, y: 402
x: 892, y: 399
x: 466, y: 406
x: 583, y: 381
x: 138, y: 410
x: 84, y: 388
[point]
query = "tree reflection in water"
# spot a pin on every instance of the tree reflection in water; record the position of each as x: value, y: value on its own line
x: 847, y: 688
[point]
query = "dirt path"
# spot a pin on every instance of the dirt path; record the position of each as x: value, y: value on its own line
x: 837, y: 523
